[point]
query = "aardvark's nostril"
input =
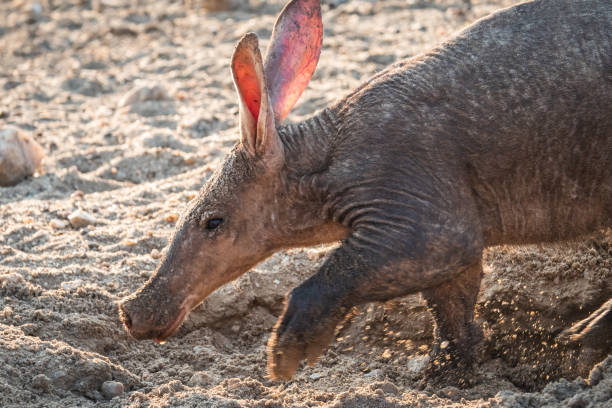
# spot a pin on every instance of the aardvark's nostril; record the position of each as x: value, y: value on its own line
x: 125, y: 317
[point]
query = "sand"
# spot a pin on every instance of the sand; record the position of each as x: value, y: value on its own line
x: 133, y: 104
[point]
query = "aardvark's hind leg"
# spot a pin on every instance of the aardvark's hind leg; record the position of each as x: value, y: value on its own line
x: 452, y: 305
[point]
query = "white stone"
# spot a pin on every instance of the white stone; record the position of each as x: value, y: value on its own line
x: 36, y: 11
x: 20, y: 156
x: 80, y: 218
x: 418, y: 363
x: 374, y: 373
x: 58, y: 224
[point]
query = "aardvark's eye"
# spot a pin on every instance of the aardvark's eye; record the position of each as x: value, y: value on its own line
x: 213, y: 223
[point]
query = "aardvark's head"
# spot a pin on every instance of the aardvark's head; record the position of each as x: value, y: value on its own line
x: 247, y: 209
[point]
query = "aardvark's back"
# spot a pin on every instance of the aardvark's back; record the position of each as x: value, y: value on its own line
x: 519, y: 107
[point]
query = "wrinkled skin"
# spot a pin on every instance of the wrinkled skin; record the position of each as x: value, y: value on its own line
x: 503, y: 135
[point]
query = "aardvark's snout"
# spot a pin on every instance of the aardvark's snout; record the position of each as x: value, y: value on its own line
x: 144, y: 321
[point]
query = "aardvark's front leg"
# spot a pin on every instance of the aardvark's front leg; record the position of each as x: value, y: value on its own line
x: 312, y: 312
x: 354, y: 275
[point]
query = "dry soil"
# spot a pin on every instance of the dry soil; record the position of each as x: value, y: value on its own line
x: 134, y: 106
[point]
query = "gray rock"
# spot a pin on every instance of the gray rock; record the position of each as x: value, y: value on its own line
x: 418, y: 363
x: 200, y: 379
x: 111, y: 389
x: 388, y: 388
x: 41, y: 382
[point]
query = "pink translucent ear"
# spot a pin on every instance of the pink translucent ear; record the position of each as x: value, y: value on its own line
x: 248, y: 76
x: 257, y: 129
x: 293, y: 54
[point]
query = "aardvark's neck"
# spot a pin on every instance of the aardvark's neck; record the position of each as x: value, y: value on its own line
x: 309, y: 144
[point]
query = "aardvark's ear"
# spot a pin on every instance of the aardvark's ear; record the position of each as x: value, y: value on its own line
x: 293, y: 54
x: 267, y: 93
x: 257, y: 128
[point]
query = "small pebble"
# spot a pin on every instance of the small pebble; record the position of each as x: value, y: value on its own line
x: 20, y: 156
x: 58, y: 224
x: 36, y: 12
x: 155, y: 254
x: 577, y: 401
x: 452, y: 393
x: 389, y: 388
x: 199, y: 379
x: 41, y: 382
x: 417, y: 364
x: 374, y: 373
x: 316, y: 376
x: 172, y: 217
x: 111, y: 389
x: 80, y: 218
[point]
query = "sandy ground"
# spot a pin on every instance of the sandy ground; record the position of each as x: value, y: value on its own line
x: 134, y: 106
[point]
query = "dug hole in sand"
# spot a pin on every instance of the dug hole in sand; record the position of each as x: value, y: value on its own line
x: 134, y: 107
